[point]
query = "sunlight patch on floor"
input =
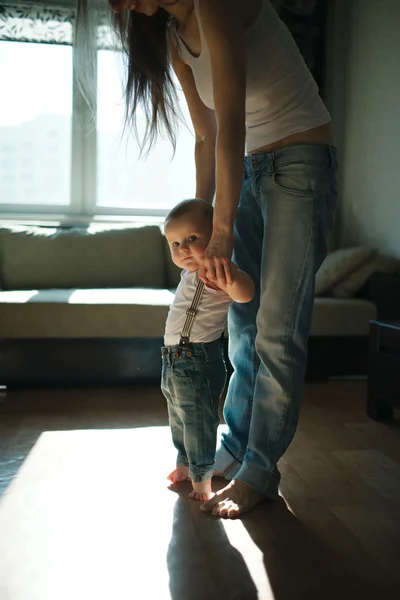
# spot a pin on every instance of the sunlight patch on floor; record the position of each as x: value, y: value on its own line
x: 89, y: 515
x: 240, y: 539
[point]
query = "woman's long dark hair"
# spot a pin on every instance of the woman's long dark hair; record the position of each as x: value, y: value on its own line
x: 149, y: 83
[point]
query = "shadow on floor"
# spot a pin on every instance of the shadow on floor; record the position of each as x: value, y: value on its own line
x: 269, y: 554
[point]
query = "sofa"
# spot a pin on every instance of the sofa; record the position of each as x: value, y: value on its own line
x: 88, y: 306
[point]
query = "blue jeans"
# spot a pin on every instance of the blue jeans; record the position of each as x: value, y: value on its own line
x: 287, y: 205
x: 192, y: 382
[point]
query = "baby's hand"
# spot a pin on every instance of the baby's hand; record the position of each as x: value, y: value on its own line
x: 209, y: 283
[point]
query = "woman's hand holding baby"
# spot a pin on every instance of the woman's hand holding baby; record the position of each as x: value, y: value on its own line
x: 216, y: 266
x: 240, y: 288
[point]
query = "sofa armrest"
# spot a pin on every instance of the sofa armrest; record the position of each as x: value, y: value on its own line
x: 384, y: 292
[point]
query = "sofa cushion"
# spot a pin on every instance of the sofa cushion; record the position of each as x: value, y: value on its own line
x: 352, y: 284
x: 137, y: 313
x: 339, y: 317
x: 173, y: 272
x: 42, y: 258
x: 339, y: 264
x: 81, y: 313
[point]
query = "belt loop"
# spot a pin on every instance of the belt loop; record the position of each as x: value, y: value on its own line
x: 167, y: 355
x: 270, y: 161
x: 255, y: 162
x: 329, y: 149
x: 334, y: 156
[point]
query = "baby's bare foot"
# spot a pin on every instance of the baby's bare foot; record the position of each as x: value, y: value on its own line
x: 201, y: 490
x: 181, y: 473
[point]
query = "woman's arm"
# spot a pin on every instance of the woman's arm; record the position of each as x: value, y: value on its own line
x: 205, y: 168
x: 223, y: 27
x: 204, y: 125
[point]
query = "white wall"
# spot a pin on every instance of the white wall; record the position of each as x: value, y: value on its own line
x: 363, y: 94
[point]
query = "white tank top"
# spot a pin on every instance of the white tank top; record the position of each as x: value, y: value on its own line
x: 211, y: 317
x: 281, y: 94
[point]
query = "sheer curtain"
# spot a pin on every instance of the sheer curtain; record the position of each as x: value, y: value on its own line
x: 50, y: 22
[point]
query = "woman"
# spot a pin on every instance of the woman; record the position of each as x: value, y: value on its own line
x: 249, y: 92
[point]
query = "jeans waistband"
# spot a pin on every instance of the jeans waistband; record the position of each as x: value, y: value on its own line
x: 204, y: 350
x: 271, y: 159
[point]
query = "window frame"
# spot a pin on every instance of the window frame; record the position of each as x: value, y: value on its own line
x: 82, y: 208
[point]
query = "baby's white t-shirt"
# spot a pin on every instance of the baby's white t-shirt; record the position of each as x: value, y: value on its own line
x: 211, y: 317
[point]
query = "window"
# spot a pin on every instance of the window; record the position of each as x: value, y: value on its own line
x: 36, y: 99
x: 124, y: 180
x: 50, y: 164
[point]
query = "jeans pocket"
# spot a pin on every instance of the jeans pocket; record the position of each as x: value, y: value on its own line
x: 298, y: 178
x: 182, y: 369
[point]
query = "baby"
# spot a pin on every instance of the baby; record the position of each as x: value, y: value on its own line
x: 193, y: 372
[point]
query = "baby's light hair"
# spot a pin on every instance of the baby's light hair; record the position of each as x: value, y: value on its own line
x: 190, y: 206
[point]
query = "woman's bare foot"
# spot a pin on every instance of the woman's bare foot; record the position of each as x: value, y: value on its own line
x: 233, y: 500
x: 201, y: 491
x: 181, y: 473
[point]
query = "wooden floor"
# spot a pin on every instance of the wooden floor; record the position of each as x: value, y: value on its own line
x: 85, y: 512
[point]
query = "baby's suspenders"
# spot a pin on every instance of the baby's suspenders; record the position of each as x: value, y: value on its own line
x: 191, y: 314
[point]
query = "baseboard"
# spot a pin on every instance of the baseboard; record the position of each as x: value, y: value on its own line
x: 337, y: 357
x: 97, y: 361
x: 66, y: 362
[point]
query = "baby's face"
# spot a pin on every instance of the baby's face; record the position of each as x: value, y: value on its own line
x: 188, y: 239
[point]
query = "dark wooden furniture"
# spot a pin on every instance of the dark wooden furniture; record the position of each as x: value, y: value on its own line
x: 384, y: 370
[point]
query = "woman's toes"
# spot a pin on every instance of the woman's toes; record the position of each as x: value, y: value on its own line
x: 232, y: 512
x: 216, y: 510
x: 224, y: 510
